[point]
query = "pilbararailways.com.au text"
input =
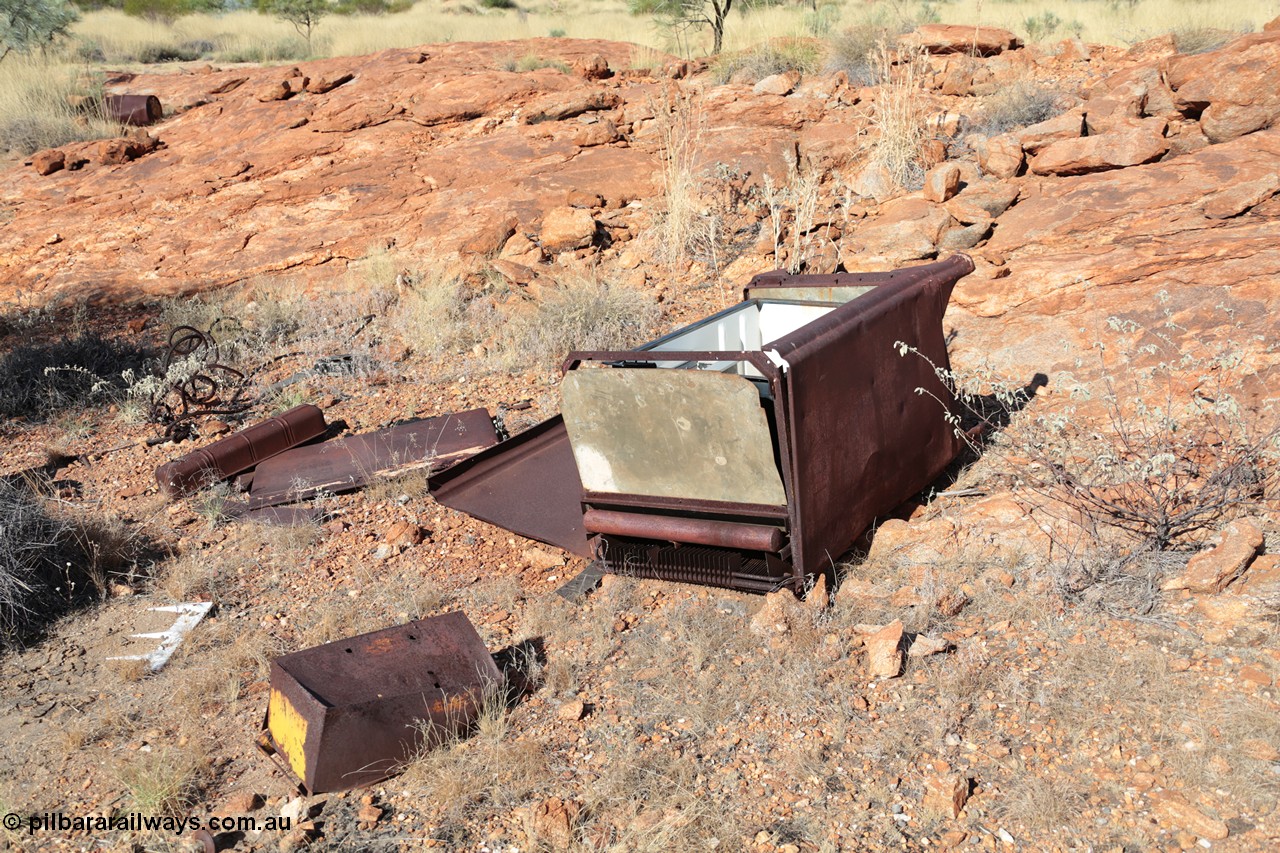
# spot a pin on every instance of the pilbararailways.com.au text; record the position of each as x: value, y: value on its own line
x: 134, y: 822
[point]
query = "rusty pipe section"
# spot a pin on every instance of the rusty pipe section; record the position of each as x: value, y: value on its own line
x: 692, y: 531
x: 240, y: 451
x: 137, y: 110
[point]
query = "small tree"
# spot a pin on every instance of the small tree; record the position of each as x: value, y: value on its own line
x: 681, y: 15
x: 305, y: 15
x: 25, y: 24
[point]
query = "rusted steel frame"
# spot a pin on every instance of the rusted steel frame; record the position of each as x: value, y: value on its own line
x: 603, y: 499
x: 778, y: 382
x: 240, y: 451
x: 782, y: 278
x: 895, y: 442
x: 137, y: 110
x: 696, y: 531
x: 355, y: 711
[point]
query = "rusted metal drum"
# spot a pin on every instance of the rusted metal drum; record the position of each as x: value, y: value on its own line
x: 137, y: 110
x: 240, y: 451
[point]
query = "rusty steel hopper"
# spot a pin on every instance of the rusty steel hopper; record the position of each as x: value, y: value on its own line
x: 352, y: 712
x: 747, y: 450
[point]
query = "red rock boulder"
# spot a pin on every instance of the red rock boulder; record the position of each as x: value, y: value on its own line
x: 1141, y: 143
x: 952, y: 38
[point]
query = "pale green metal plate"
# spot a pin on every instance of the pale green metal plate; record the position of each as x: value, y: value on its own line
x: 669, y: 433
x: 837, y: 295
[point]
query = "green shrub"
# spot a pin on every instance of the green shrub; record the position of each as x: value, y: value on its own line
x: 186, y: 51
x: 498, y: 4
x: 372, y: 7
x: 854, y: 53
x: 281, y: 50
x: 29, y: 24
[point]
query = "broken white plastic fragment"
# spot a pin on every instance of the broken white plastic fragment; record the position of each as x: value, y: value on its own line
x: 190, y: 615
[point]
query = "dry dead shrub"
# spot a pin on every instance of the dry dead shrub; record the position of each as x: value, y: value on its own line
x: 480, y: 770
x: 901, y: 116
x: 684, y: 230
x: 581, y: 314
x: 793, y: 207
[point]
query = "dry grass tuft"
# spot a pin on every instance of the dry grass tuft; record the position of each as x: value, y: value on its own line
x: 1043, y: 805
x: 437, y: 317
x: 901, y: 117
x: 582, y: 314
x: 1017, y: 106
x: 774, y: 56
x: 35, y: 105
x: 166, y: 781
x: 484, y: 768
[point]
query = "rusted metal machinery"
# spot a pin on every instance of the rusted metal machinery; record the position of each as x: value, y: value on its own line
x: 240, y: 451
x: 748, y: 450
x: 352, y: 712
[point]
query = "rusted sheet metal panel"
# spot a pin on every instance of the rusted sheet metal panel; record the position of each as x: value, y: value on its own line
x: 240, y: 451
x: 352, y: 712
x: 352, y: 462
x: 275, y: 516
x: 137, y: 110
x: 861, y: 439
x: 697, y: 531
x: 528, y: 484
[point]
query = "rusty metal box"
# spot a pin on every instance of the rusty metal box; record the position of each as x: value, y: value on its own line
x: 749, y: 449
x: 352, y: 712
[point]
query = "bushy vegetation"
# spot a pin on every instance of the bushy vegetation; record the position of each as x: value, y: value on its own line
x: 1017, y: 106
x: 52, y: 560
x: 40, y: 380
x: 27, y: 25
x: 768, y: 58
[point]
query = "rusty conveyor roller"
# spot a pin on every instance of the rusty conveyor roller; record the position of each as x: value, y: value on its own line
x: 698, y: 531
